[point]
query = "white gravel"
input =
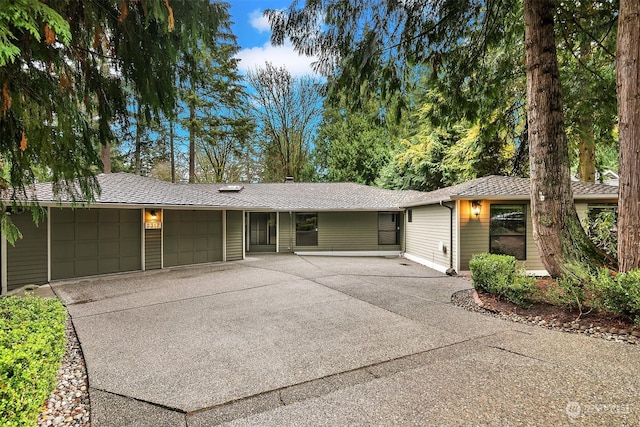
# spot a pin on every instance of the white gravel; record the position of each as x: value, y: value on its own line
x: 68, y: 404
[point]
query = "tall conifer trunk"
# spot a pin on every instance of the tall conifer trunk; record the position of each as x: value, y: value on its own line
x: 560, y: 239
x: 627, y: 75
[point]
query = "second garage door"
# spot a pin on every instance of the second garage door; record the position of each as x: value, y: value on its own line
x: 192, y: 237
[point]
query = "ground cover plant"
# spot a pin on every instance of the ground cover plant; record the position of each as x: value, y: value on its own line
x: 609, y: 297
x: 32, y: 345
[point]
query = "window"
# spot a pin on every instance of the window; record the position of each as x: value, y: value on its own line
x: 388, y: 228
x: 508, y: 231
x: 409, y: 215
x: 307, y: 229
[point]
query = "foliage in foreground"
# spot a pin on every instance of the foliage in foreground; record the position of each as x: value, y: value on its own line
x: 498, y: 275
x: 32, y: 344
x: 601, y: 290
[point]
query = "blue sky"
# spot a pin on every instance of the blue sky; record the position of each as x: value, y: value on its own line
x: 253, y: 33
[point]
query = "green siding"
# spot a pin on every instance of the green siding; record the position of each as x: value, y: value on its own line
x: 429, y: 227
x: 474, y: 234
x: 192, y: 237
x: 152, y: 249
x: 285, y: 233
x: 234, y: 235
x: 86, y: 242
x: 344, y: 231
x: 27, y: 260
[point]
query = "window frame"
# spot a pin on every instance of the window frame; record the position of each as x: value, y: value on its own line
x: 313, y: 232
x: 523, y: 235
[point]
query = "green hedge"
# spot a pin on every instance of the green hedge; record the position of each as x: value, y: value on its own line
x: 498, y: 275
x: 32, y: 345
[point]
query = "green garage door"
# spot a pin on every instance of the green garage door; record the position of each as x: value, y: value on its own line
x: 192, y: 237
x: 86, y: 242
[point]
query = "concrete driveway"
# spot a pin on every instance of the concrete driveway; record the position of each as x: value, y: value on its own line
x: 279, y: 340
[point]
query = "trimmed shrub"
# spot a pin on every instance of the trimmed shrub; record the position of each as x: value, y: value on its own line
x: 497, y: 275
x: 619, y: 293
x: 32, y: 345
x: 489, y: 271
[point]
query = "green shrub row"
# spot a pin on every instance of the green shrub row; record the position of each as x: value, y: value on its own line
x: 602, y: 290
x: 32, y: 345
x: 498, y: 275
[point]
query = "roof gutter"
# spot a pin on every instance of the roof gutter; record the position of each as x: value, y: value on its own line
x: 450, y: 271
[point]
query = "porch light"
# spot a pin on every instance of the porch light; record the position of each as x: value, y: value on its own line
x: 475, y: 208
x: 154, y: 215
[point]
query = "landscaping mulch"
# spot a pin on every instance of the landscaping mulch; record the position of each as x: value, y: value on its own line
x: 68, y: 405
x: 593, y: 324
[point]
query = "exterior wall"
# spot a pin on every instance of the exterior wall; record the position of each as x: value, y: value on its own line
x: 474, y: 234
x: 234, y: 235
x: 152, y: 249
x: 86, y: 242
x: 192, y: 237
x: 27, y: 262
x: 343, y: 232
x: 286, y: 235
x: 428, y: 234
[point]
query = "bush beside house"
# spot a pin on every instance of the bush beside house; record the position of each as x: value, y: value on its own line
x: 602, y: 290
x: 32, y: 345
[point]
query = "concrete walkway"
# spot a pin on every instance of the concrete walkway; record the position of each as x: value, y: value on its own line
x: 281, y: 340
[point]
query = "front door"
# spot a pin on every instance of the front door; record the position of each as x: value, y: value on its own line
x: 262, y: 232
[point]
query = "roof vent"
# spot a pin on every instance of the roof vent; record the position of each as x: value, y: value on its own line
x: 231, y: 189
x: 289, y: 179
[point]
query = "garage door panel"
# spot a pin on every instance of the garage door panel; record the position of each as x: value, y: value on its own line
x: 89, y: 242
x: 109, y: 249
x: 201, y: 243
x: 129, y: 263
x: 87, y: 231
x: 63, y: 231
x: 109, y: 215
x: 200, y: 256
x: 87, y: 249
x: 192, y: 237
x: 129, y: 229
x: 87, y: 267
x: 185, y: 258
x: 128, y: 248
x: 109, y: 265
x: 109, y: 231
x: 86, y: 215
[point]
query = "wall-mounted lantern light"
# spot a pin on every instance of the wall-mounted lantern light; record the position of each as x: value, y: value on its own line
x: 154, y: 215
x: 475, y: 208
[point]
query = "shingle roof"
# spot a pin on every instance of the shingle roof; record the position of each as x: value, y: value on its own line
x: 126, y: 189
x: 314, y: 196
x: 506, y: 187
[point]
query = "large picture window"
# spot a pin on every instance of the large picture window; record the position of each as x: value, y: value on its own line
x: 388, y: 228
x: 307, y: 229
x: 508, y: 231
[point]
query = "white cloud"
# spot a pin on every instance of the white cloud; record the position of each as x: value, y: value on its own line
x: 298, y: 65
x: 259, y: 21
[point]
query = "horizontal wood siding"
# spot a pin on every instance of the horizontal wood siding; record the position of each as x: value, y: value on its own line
x: 86, y: 242
x: 474, y: 234
x: 429, y: 226
x: 234, y: 235
x: 192, y: 237
x: 285, y: 232
x: 347, y: 231
x: 152, y: 249
x: 27, y: 260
